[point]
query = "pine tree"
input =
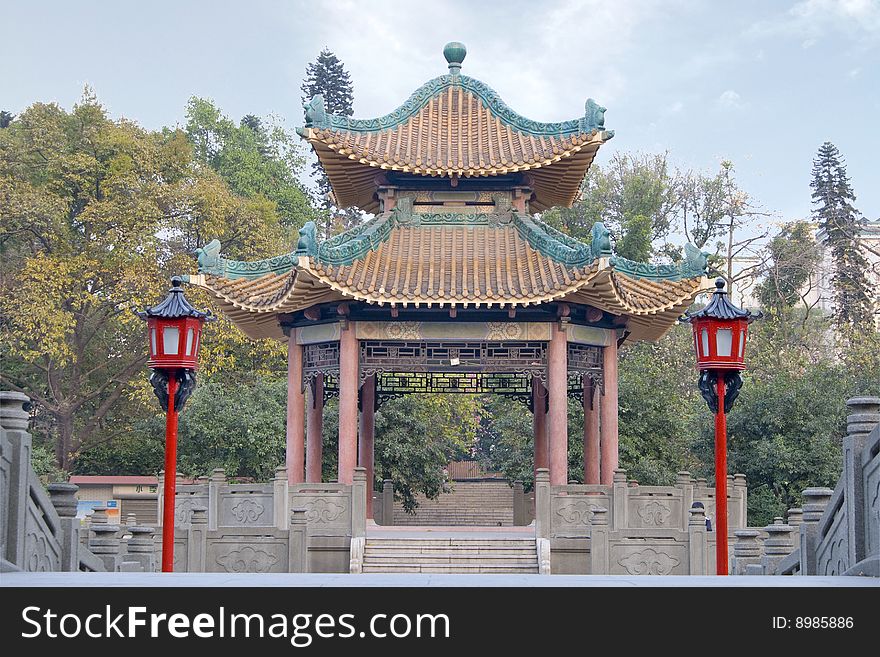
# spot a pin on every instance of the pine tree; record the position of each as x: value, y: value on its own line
x: 327, y: 76
x: 843, y: 224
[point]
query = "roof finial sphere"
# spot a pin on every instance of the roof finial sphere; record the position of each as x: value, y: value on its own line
x: 720, y: 283
x: 454, y: 52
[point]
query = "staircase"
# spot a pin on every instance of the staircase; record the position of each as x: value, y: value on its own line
x: 450, y: 555
x: 487, y: 503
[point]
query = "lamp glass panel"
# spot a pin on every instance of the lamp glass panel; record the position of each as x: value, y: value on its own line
x: 724, y: 341
x: 171, y: 340
x: 189, y: 342
x: 705, y: 335
x: 153, y: 341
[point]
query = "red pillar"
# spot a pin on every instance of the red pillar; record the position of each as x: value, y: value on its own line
x: 314, y: 427
x: 608, y: 413
x: 366, y: 435
x: 348, y: 398
x: 296, y: 408
x: 170, y: 490
x: 720, y: 482
x: 539, y: 424
x: 557, y: 417
x: 591, y: 432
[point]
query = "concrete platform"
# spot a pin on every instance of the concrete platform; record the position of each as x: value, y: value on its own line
x: 411, y: 580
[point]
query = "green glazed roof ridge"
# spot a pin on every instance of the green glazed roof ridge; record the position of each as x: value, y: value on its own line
x: 694, y: 265
x: 593, y: 118
x: 553, y: 243
x: 212, y: 263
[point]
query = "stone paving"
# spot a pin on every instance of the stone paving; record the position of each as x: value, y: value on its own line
x: 412, y: 580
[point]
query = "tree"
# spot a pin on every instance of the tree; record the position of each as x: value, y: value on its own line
x: 257, y: 159
x: 842, y: 223
x: 793, y: 258
x: 97, y: 213
x: 327, y: 76
x: 636, y: 196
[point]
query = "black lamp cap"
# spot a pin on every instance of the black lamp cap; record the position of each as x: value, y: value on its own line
x: 175, y: 305
x: 719, y: 307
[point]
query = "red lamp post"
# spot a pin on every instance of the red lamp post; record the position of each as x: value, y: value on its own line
x: 720, y: 331
x: 174, y: 329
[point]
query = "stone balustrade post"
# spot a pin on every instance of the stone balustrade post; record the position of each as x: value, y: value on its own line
x: 216, y: 481
x: 599, y: 542
x: 698, y: 562
x: 747, y: 551
x: 281, y: 497
x: 795, y: 518
x: 542, y: 503
x: 519, y: 505
x: 16, y: 445
x: 685, y: 482
x: 104, y: 540
x: 359, y: 503
x: 197, y: 541
x: 778, y: 545
x: 864, y: 415
x: 619, y: 500
x: 387, y: 502
x: 740, y: 490
x: 63, y: 498
x: 298, y: 547
x: 815, y: 501
x: 140, y: 548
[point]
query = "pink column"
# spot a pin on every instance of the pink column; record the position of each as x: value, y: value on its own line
x: 557, y: 416
x: 591, y: 432
x: 348, y: 404
x: 539, y: 424
x: 608, y: 411
x: 296, y: 409
x: 314, y: 426
x: 366, y: 435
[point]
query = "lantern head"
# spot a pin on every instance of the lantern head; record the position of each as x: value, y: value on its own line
x: 174, y: 327
x: 720, y: 331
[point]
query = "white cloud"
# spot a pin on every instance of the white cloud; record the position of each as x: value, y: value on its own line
x: 729, y: 100
x: 811, y: 19
x: 854, y: 73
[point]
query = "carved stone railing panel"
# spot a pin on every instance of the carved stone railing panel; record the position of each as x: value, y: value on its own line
x: 652, y: 554
x: 655, y: 507
x: 571, y: 513
x: 42, y: 547
x: 832, y: 550
x: 327, y: 507
x: 246, y: 505
x: 247, y: 551
x: 871, y: 476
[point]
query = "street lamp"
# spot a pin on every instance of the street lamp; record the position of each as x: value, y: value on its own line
x: 175, y: 330
x: 720, y: 331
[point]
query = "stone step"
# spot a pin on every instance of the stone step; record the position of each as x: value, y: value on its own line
x: 480, y: 559
x: 451, y: 568
x: 450, y: 542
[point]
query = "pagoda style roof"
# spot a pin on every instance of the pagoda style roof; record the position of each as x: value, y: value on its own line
x: 454, y: 126
x: 406, y: 259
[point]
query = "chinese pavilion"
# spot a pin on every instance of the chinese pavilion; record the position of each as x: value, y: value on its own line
x: 454, y: 285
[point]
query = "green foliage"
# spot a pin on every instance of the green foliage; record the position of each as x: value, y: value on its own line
x: 854, y: 297
x: 794, y: 258
x: 417, y: 436
x: 43, y: 462
x: 327, y: 76
x: 636, y: 196
x: 96, y: 215
x: 257, y: 158
x: 239, y: 428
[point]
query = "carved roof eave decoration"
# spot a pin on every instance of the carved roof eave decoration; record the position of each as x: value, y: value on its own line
x: 317, y: 118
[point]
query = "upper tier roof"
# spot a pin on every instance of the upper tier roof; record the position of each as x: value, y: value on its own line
x: 454, y: 126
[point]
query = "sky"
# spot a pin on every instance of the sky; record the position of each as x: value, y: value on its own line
x: 759, y: 83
